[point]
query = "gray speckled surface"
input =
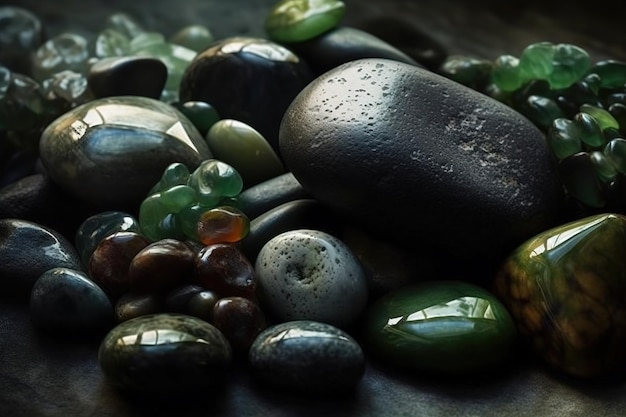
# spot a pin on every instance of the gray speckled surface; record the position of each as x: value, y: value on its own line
x: 40, y: 376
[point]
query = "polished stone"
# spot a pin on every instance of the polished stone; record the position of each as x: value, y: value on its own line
x: 240, y: 320
x: 127, y: 76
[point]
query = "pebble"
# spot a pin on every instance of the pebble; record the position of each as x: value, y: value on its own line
x: 127, y: 76
x: 240, y: 320
x: 307, y: 357
x: 223, y: 269
x: 66, y: 302
x: 165, y: 354
x: 311, y: 275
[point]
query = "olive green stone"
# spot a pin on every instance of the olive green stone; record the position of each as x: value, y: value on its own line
x: 441, y: 327
x: 506, y: 73
x: 164, y: 353
x: 565, y: 289
x: 564, y: 138
x: 300, y: 20
x: 612, y: 73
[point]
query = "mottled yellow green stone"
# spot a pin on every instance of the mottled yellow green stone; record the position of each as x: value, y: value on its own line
x: 300, y: 20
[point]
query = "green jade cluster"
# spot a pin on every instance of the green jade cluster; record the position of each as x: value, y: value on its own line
x: 175, y: 205
x: 579, y: 105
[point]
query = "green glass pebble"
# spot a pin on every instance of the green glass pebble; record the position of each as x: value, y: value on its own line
x: 506, y: 73
x: 178, y: 197
x: 466, y: 70
x: 565, y: 289
x: 602, y: 116
x: 111, y: 43
x: 589, y: 130
x: 98, y: 226
x: 214, y: 180
x: 563, y: 138
x: 245, y: 149
x: 175, y: 174
x: 618, y: 111
x: 153, y: 218
x: 578, y: 175
x: 612, y: 73
x: 200, y: 113
x: 543, y: 111
x: 194, y: 37
x: 67, y: 51
x: 615, y: 152
x: 301, y: 20
x: 570, y: 63
x: 189, y: 217
x: 603, y: 167
x: 535, y: 61
x: 594, y: 82
x: 165, y: 354
x: 441, y: 327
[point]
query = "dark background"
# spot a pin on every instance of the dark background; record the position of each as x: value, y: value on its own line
x: 42, y: 376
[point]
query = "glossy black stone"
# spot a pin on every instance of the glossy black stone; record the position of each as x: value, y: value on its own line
x: 345, y: 44
x: 252, y: 80
x: 27, y: 250
x: 127, y: 76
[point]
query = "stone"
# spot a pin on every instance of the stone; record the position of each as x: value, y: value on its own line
x: 161, y: 266
x: 66, y: 51
x: 110, y: 261
x: 164, y: 354
x: 127, y: 76
x: 20, y: 36
x: 308, y: 274
x: 130, y: 306
x: 240, y: 320
x: 66, y: 302
x: 260, y: 198
x: 307, y: 357
x: 27, y: 250
x: 222, y: 224
x: 223, y: 269
x: 344, y: 44
x: 420, y: 155
x: 227, y: 75
x: 565, y: 289
x: 201, y: 114
x: 97, y: 151
x: 301, y: 20
x: 100, y: 225
x: 440, y: 328
x: 245, y: 149
x: 194, y: 37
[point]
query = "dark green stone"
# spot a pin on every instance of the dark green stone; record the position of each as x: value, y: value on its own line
x: 565, y: 289
x: 164, y: 353
x: 441, y: 327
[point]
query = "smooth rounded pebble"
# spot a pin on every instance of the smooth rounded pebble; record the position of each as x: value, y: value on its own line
x: 311, y: 275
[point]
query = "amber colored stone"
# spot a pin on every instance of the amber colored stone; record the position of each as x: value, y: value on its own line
x: 223, y: 268
x: 161, y: 266
x: 240, y: 320
x: 222, y: 225
x: 109, y: 262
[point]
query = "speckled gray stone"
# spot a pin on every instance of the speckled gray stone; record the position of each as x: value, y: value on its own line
x: 311, y: 275
x: 65, y: 300
x: 307, y: 356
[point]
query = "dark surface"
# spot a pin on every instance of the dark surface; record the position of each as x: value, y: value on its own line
x: 43, y: 376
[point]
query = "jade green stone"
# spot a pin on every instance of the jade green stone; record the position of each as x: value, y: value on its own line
x: 506, y: 73
x: 301, y: 20
x: 178, y: 197
x: 578, y: 175
x: 536, y: 60
x: 589, y: 129
x: 565, y: 289
x: 602, y: 116
x: 155, y: 220
x: 98, y: 226
x: 543, y: 111
x: 441, y: 327
x: 618, y: 111
x: 111, y: 151
x: 467, y: 70
x: 201, y: 114
x: 561, y: 64
x: 245, y: 149
x: 175, y: 174
x: 612, y: 73
x: 603, y: 166
x: 163, y: 354
x: 615, y: 152
x: 214, y: 180
x: 563, y: 138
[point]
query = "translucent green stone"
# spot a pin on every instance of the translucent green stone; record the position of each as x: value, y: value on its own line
x: 124, y: 24
x: 214, y: 180
x: 200, y: 113
x: 111, y: 43
x: 175, y: 174
x: 563, y: 138
x: 443, y: 327
x: 536, y: 61
x: 579, y: 177
x: 618, y: 111
x: 189, y: 217
x: 589, y: 129
x: 467, y: 70
x: 194, y: 37
x: 603, y: 167
x: 300, y: 20
x: 178, y: 197
x: 565, y: 289
x: 569, y: 64
x: 602, y: 116
x: 506, y: 73
x: 594, y: 82
x: 67, y: 51
x: 543, y: 111
x: 612, y: 73
x: 152, y: 213
x: 615, y: 152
